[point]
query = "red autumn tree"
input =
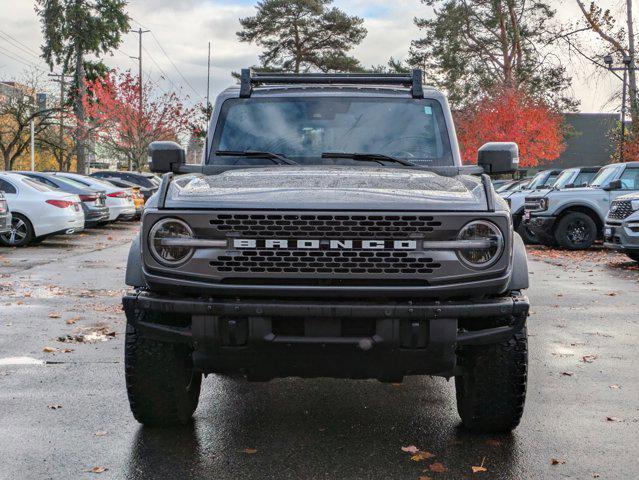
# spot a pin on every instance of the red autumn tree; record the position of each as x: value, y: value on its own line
x: 511, y: 115
x: 125, y: 131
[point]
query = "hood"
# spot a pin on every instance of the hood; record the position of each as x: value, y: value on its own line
x: 628, y: 197
x: 328, y: 187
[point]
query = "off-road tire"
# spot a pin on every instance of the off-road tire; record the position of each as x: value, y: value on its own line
x: 162, y: 388
x: 570, y: 221
x: 527, y: 236
x: 25, y: 228
x: 491, y: 392
x: 633, y: 256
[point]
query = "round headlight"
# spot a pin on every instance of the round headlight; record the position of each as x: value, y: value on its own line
x: 485, y: 244
x: 164, y: 242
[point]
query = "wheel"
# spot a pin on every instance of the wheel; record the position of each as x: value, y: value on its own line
x: 162, y: 387
x: 21, y: 233
x: 527, y: 236
x: 633, y: 256
x: 576, y: 231
x: 491, y: 391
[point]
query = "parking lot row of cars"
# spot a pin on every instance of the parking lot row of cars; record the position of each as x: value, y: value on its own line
x: 575, y: 207
x: 38, y: 205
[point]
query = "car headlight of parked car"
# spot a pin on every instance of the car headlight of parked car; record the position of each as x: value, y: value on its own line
x: 484, y: 244
x: 167, y: 242
x: 634, y: 204
x: 543, y: 204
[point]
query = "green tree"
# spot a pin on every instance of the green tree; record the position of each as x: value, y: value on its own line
x: 298, y: 35
x: 73, y: 29
x: 470, y: 47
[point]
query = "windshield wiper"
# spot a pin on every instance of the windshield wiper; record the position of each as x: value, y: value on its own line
x: 257, y: 154
x: 370, y: 157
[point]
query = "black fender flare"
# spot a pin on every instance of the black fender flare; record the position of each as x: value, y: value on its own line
x: 134, y: 276
x: 519, y: 278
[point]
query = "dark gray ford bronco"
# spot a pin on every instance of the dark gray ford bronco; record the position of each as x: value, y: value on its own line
x: 331, y: 230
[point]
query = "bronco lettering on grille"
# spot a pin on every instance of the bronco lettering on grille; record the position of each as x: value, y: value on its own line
x: 325, y: 244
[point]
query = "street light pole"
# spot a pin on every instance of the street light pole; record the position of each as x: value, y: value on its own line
x: 627, y: 66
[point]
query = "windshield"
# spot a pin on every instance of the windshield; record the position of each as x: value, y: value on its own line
x: 537, y: 180
x: 564, y: 177
x: 604, y: 176
x: 37, y: 185
x: 70, y: 181
x: 304, y: 128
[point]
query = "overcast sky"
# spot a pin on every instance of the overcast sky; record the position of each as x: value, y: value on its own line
x: 175, y: 51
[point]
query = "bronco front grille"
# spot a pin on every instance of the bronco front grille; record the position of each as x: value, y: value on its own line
x: 326, y: 262
x: 314, y: 226
x: 620, y: 209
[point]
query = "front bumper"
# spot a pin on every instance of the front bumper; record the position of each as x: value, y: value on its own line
x: 265, y: 339
x: 543, y: 228
x: 622, y: 236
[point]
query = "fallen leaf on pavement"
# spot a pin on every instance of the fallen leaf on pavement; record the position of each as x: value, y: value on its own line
x: 588, y: 358
x: 480, y: 468
x: 410, y: 449
x: 615, y: 387
x: 67, y: 350
x: 614, y: 419
x: 567, y: 374
x: 437, y: 467
x: 612, y: 294
x: 100, y: 433
x: 250, y: 451
x: 71, y: 321
x: 98, y: 469
x: 556, y: 461
x: 54, y: 406
x: 48, y: 349
x: 54, y: 315
x: 421, y: 455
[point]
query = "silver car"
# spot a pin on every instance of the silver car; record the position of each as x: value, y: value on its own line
x: 622, y: 225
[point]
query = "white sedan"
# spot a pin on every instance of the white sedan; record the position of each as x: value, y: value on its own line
x: 38, y: 211
x: 118, y: 200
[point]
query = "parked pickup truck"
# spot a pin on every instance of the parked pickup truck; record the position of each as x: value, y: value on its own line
x: 622, y: 226
x: 574, y: 218
x: 515, y: 198
x: 332, y: 231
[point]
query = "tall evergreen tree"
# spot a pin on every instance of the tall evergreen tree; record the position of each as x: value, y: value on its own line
x: 471, y: 47
x: 298, y: 35
x: 73, y: 29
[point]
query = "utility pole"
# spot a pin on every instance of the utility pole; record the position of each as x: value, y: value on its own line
x: 140, y: 32
x: 628, y: 66
x: 62, y: 81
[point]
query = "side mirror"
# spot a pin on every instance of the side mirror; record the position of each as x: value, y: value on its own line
x: 569, y: 185
x: 166, y: 157
x: 614, y: 185
x: 498, y: 157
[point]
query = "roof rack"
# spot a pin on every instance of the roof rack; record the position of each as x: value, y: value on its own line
x: 250, y: 78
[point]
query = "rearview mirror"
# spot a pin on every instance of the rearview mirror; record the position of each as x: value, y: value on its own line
x: 166, y: 157
x: 614, y: 185
x: 498, y: 157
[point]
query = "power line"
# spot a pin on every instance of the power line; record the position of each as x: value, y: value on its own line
x: 23, y: 46
x: 17, y: 58
x: 171, y: 61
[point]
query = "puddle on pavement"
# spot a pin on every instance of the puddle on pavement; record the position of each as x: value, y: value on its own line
x: 11, y: 361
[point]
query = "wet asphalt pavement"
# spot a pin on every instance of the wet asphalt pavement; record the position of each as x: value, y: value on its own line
x: 582, y: 408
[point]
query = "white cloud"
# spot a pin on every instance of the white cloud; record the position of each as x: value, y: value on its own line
x: 184, y: 27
